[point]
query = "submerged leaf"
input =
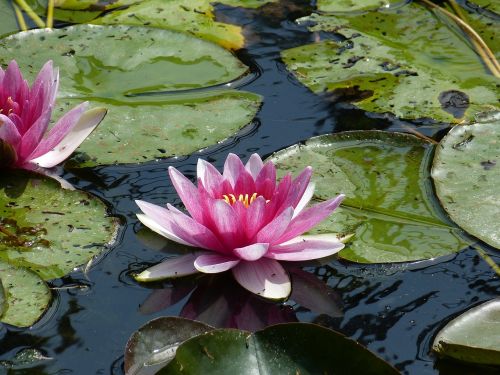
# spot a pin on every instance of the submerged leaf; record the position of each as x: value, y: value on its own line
x: 388, y: 205
x: 466, y: 173
x: 53, y: 230
x: 472, y: 337
x: 27, y: 296
x: 293, y: 348
x: 412, y: 64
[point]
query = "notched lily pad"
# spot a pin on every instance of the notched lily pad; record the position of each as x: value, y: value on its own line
x: 466, y: 173
x: 411, y: 65
x: 293, y: 348
x: 472, y: 337
x: 153, y: 345
x: 47, y: 229
x: 388, y: 205
x: 26, y: 295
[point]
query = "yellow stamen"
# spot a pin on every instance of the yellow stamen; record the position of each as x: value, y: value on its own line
x: 245, y: 199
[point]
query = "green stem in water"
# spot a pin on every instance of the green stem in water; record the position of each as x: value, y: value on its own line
x: 50, y: 14
x: 20, y: 19
x: 488, y: 259
x: 31, y: 13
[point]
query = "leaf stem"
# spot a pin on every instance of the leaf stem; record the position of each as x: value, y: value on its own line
x: 7, y: 232
x: 488, y: 259
x: 31, y: 13
x: 20, y: 19
x: 419, y: 135
x: 50, y: 14
x: 481, y: 47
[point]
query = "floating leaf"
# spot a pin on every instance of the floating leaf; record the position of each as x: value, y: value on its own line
x: 25, y: 358
x: 412, y: 65
x: 53, y: 230
x: 8, y: 18
x: 466, y: 173
x: 246, y: 3
x: 192, y: 16
x: 353, y: 5
x: 146, y: 128
x: 490, y: 5
x: 389, y: 205
x: 293, y: 348
x: 154, y: 345
x: 27, y: 296
x: 474, y: 336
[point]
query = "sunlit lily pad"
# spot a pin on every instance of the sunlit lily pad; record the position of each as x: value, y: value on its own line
x: 154, y: 345
x: 27, y: 295
x: 388, y: 205
x: 246, y: 3
x: 293, y: 348
x: 466, y: 172
x: 354, y: 5
x: 474, y: 336
x: 412, y: 65
x: 53, y: 230
x: 8, y: 18
x: 191, y: 16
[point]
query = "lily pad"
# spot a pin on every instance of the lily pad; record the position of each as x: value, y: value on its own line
x: 192, y: 16
x: 388, y: 206
x: 154, y: 345
x: 52, y: 230
x: 293, y: 348
x: 354, y: 5
x: 8, y: 17
x: 27, y: 295
x: 472, y: 337
x: 466, y: 173
x: 412, y: 64
x: 246, y: 3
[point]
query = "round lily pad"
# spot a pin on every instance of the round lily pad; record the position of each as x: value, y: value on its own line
x: 27, y: 295
x: 293, y: 348
x: 472, y: 337
x: 354, y: 5
x: 410, y: 65
x: 388, y: 206
x: 146, y: 128
x: 466, y: 173
x: 47, y: 229
x: 119, y: 61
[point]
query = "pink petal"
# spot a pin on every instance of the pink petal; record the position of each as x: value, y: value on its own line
x: 306, y: 198
x: 187, y: 192
x: 213, y: 263
x: 13, y: 79
x: 264, y: 277
x: 233, y: 167
x: 226, y: 225
x: 255, y: 217
x: 306, y: 248
x: 254, y: 165
x: 266, y: 180
x: 309, y: 218
x: 210, y: 178
x: 44, y: 89
x: 33, y: 136
x: 8, y: 132
x: 244, y: 184
x: 252, y: 252
x: 170, y: 268
x: 272, y: 231
x: 77, y: 134
x: 298, y: 187
x: 162, y: 229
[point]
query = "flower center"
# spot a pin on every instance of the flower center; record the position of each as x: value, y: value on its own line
x: 9, y: 107
x: 243, y: 198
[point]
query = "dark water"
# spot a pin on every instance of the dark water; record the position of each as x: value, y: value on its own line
x: 395, y: 310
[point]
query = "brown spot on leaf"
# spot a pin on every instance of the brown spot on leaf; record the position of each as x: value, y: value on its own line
x: 454, y: 102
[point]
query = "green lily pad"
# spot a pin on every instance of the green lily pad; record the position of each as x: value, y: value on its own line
x: 353, y: 5
x: 53, y: 230
x: 192, y: 16
x: 25, y: 358
x: 473, y: 336
x: 153, y: 345
x: 27, y: 295
x: 293, y: 348
x: 147, y: 128
x: 412, y: 65
x: 119, y: 61
x: 466, y: 173
x: 388, y: 205
x: 8, y: 17
x: 93, y: 4
x: 251, y: 4
x: 490, y: 5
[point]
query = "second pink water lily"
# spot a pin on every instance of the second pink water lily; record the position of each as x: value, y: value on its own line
x: 245, y: 221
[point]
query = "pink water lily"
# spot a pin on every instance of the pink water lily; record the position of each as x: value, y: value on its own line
x: 246, y: 221
x: 25, y: 116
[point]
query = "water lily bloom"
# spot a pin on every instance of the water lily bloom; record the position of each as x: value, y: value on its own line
x: 25, y: 116
x: 245, y: 221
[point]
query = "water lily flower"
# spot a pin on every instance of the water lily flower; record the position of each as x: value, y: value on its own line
x: 25, y: 116
x: 245, y: 221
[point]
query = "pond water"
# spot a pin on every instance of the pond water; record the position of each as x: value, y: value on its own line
x: 395, y: 310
